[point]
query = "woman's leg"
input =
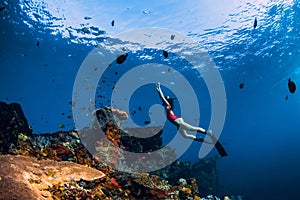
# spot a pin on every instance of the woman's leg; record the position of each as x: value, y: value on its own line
x: 183, y: 127
x: 188, y: 127
x: 185, y: 134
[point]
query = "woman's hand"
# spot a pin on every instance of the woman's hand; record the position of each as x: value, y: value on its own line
x: 158, y: 87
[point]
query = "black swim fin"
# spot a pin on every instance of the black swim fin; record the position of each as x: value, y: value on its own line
x: 199, y: 139
x: 220, y: 149
x: 218, y: 146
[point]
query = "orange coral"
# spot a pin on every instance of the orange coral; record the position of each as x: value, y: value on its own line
x: 114, y: 182
x: 194, y: 186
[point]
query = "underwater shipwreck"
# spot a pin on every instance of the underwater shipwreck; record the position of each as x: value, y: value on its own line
x: 58, y: 166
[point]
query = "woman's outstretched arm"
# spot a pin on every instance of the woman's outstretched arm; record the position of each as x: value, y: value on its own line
x: 161, y: 95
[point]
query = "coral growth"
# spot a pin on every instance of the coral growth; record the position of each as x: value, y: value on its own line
x: 51, y: 165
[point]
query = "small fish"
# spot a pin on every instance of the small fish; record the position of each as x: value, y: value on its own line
x: 61, y: 126
x: 255, y: 23
x: 166, y: 54
x: 112, y: 22
x: 72, y: 103
x: 242, y: 85
x: 147, y: 122
x: 291, y: 86
x: 140, y: 108
x: 172, y: 37
x: 70, y: 116
x: 121, y: 58
x: 286, y: 97
x: 87, y: 18
x: 2, y: 8
x: 38, y: 43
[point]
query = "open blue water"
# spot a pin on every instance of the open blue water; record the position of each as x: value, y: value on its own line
x: 43, y: 44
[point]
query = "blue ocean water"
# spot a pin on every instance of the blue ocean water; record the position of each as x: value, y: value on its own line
x: 45, y: 42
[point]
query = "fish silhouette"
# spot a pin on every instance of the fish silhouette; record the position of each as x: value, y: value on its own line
x: 242, y: 85
x: 255, y: 23
x: 166, y: 54
x: 291, y: 86
x: 121, y: 58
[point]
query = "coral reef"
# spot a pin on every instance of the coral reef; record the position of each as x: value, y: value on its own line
x: 58, y: 166
x: 13, y: 122
x: 24, y: 173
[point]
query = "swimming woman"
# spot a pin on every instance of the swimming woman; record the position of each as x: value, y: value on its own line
x: 183, y: 127
x: 178, y: 121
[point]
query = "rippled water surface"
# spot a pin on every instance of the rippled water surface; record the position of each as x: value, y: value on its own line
x: 45, y: 42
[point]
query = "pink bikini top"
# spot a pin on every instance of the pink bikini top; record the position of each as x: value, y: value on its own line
x: 170, y: 114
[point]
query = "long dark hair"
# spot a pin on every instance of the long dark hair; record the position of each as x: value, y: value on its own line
x: 170, y: 101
